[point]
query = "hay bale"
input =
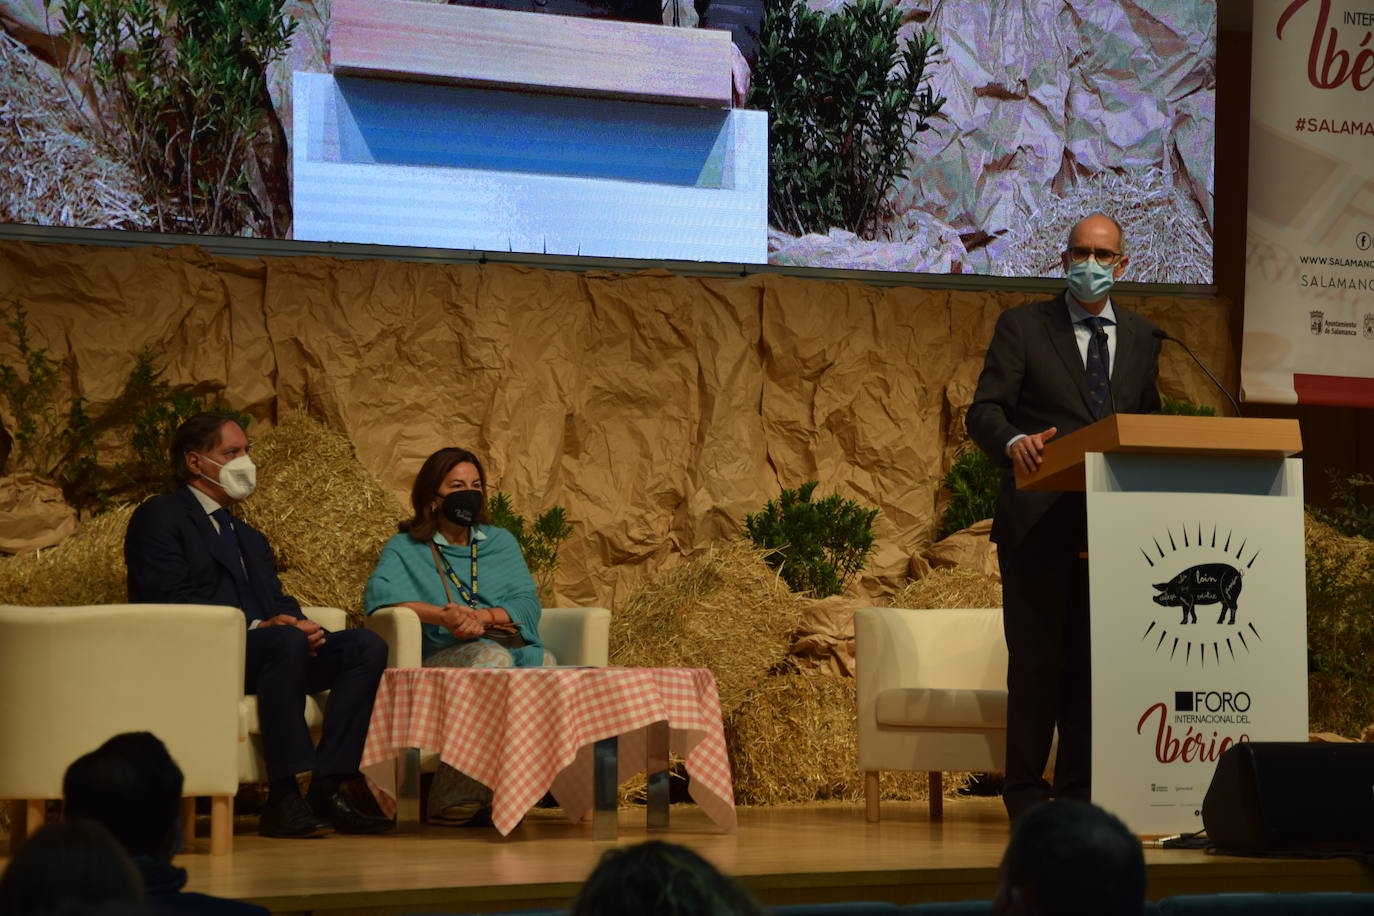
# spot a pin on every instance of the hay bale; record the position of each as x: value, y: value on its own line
x: 325, y: 515
x: 794, y: 740
x: 86, y: 568
x: 1352, y: 556
x: 724, y: 610
x: 1167, y: 236
x: 58, y: 170
x: 635, y: 790
x: 950, y: 587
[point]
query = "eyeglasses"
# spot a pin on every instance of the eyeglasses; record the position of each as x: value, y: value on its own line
x: 1104, y: 256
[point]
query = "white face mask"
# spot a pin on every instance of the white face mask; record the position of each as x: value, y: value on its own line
x: 238, y: 478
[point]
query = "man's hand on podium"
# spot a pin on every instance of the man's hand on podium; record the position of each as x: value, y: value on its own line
x: 1025, y: 452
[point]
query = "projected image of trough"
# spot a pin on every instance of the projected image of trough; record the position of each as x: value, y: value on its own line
x: 405, y: 163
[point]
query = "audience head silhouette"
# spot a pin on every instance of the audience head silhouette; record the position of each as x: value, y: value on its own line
x: 69, y: 868
x: 132, y: 786
x: 1068, y: 858
x: 660, y: 878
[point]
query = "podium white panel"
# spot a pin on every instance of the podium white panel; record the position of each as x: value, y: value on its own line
x: 1199, y: 624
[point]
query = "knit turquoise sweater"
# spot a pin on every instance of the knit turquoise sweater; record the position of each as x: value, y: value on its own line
x: 405, y: 572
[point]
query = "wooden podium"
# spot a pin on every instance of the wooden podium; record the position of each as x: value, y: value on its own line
x: 1197, y: 600
x: 1160, y: 434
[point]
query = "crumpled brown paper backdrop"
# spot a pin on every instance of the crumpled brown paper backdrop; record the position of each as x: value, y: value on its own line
x: 658, y: 409
x: 971, y: 548
x: 1044, y: 101
x: 33, y: 514
x: 1037, y: 101
x: 824, y: 641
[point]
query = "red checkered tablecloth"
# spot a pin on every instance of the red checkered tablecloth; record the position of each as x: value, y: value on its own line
x: 525, y: 731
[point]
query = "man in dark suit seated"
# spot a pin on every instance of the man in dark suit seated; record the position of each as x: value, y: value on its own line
x: 132, y: 786
x: 185, y: 547
x: 1054, y: 367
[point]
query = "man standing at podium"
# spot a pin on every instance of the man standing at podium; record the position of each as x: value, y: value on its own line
x: 1054, y: 367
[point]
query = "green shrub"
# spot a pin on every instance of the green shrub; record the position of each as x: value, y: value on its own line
x: 186, y: 83
x: 153, y: 410
x: 845, y: 98
x: 1350, y: 516
x: 539, y: 543
x: 973, y: 481
x: 1183, y: 408
x: 53, y: 438
x: 817, y: 547
x: 84, y: 483
x: 29, y: 391
x: 57, y: 439
x: 1340, y: 631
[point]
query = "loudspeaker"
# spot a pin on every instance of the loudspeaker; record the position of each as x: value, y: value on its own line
x: 1292, y: 797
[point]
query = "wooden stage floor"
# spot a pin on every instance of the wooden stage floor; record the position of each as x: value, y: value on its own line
x: 784, y: 855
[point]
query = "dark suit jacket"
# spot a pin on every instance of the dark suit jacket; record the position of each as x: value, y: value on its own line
x: 174, y: 557
x: 1033, y: 378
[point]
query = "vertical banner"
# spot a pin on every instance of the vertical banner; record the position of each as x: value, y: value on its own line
x: 1309, y: 280
x: 1199, y: 625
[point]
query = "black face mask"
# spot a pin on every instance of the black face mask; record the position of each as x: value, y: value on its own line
x: 462, y: 507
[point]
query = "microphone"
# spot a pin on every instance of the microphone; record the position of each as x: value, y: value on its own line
x: 1161, y: 334
x: 1101, y: 337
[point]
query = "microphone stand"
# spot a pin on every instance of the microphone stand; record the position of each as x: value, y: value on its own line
x: 1161, y: 334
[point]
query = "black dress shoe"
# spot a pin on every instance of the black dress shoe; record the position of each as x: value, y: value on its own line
x: 340, y: 814
x: 291, y: 819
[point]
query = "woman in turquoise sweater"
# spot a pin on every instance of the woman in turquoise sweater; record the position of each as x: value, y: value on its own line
x: 467, y: 581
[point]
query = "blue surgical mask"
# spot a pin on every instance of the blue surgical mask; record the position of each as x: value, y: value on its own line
x: 1089, y: 281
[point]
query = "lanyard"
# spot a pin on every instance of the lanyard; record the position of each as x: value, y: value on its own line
x: 467, y: 594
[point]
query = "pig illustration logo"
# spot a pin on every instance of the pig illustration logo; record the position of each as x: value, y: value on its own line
x: 1207, y: 583
x: 1221, y: 558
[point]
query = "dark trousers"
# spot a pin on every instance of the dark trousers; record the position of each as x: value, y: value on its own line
x: 1049, y: 682
x: 280, y: 670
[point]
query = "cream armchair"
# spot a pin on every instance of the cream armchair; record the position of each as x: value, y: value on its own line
x: 932, y: 694
x: 72, y: 677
